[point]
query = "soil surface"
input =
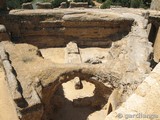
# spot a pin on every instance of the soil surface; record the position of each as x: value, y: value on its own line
x: 56, y: 55
x: 7, y: 109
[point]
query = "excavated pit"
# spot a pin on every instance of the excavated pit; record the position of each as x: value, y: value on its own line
x: 77, y: 65
x: 69, y: 103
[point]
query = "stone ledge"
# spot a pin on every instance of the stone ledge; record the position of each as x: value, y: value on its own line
x: 58, y: 27
x: 12, y: 81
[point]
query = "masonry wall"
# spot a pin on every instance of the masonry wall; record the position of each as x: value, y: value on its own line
x: 58, y: 28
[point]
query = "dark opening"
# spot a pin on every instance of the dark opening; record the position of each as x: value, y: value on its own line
x: 110, y: 109
x: 153, y: 33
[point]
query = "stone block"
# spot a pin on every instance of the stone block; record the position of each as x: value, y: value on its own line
x: 27, y: 6
x: 79, y: 4
x: 45, y: 5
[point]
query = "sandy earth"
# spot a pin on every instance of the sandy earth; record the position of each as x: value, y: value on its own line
x: 70, y: 93
x: 7, y: 109
x: 69, y: 112
x: 56, y: 55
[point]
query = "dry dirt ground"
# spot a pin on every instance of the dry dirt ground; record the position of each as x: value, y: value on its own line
x: 56, y: 55
x: 7, y: 109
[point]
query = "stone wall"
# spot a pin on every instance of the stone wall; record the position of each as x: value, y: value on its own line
x: 79, y: 4
x: 155, y: 5
x: 55, y: 28
x: 143, y: 104
x: 34, y: 111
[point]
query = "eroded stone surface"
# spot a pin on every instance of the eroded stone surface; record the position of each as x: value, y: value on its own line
x: 121, y: 63
x: 27, y: 5
x: 56, y: 28
x: 143, y: 101
x: 155, y: 5
x: 45, y: 5
x: 8, y: 107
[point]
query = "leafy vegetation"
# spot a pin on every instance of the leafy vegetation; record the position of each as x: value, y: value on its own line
x: 106, y: 4
x: 100, y: 1
x: 12, y: 4
x: 125, y: 3
x: 56, y: 3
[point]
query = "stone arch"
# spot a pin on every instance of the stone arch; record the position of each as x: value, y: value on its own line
x: 100, y: 89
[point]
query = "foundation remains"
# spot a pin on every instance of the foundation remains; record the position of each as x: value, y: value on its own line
x: 83, y: 64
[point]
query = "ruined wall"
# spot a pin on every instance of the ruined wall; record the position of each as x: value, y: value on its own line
x: 8, y: 108
x: 155, y: 5
x: 58, y: 27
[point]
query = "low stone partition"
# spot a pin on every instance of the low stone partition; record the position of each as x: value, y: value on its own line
x: 56, y: 28
x: 63, y: 5
x: 12, y: 81
x: 27, y: 5
x: 78, y: 4
x: 8, y: 109
x: 24, y: 111
x: 46, y: 5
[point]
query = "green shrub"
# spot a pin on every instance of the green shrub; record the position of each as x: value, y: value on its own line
x: 100, y: 1
x: 136, y: 3
x: 125, y: 3
x: 56, y: 3
x: 106, y: 4
x: 13, y: 4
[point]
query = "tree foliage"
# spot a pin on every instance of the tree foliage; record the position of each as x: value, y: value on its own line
x: 56, y: 3
x: 13, y: 4
x: 127, y: 3
x: 106, y: 4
